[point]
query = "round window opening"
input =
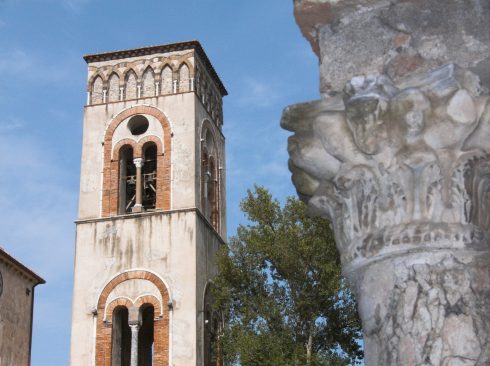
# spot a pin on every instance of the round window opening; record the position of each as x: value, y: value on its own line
x: 138, y: 124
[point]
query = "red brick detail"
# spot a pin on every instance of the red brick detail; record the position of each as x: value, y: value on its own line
x: 103, y: 352
x: 126, y: 142
x: 110, y: 190
x: 150, y: 299
x: 109, y: 311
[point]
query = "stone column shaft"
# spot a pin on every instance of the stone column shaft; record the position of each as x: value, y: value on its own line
x: 138, y: 206
x: 134, y: 343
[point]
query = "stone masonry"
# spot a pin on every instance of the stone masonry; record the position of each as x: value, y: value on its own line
x: 397, y: 155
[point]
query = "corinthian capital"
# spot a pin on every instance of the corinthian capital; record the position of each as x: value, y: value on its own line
x: 396, y: 166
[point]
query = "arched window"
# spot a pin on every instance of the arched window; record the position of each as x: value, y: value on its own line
x: 127, y: 180
x: 148, y: 83
x: 204, y: 178
x: 209, y: 180
x: 97, y: 91
x: 149, y: 176
x: 121, y: 337
x: 114, y: 88
x: 146, y: 335
x: 184, y: 78
x: 212, y: 330
x: 213, y: 194
x: 166, y: 80
x: 131, y: 89
x: 143, y: 127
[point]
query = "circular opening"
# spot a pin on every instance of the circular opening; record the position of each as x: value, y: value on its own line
x: 138, y: 125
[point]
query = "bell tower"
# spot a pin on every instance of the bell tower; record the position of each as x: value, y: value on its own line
x: 152, y: 210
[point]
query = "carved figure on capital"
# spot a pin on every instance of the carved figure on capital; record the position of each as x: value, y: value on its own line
x: 381, y: 157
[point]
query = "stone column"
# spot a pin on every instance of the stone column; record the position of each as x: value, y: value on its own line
x: 397, y: 155
x: 134, y: 343
x: 138, y: 206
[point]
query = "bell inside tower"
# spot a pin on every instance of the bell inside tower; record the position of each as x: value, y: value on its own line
x: 149, y: 176
x: 127, y: 180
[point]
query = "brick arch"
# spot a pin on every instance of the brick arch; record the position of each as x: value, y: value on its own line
x: 125, y: 142
x: 126, y: 302
x: 103, y: 352
x: 150, y: 299
x: 110, y: 190
x: 109, y: 310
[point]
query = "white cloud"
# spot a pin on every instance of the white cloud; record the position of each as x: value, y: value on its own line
x: 11, y: 124
x: 37, y: 206
x: 256, y: 93
x: 19, y: 64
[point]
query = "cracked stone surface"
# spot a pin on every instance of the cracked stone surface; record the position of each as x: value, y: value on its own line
x: 428, y: 310
x: 396, y: 37
x: 402, y: 170
x: 397, y: 155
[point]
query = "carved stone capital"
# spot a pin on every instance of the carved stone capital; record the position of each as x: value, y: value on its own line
x: 399, y: 161
x: 402, y: 170
x: 138, y: 162
x: 397, y: 167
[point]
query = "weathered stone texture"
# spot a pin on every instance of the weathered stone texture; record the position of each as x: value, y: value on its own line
x: 16, y: 302
x: 113, y: 92
x: 131, y: 86
x: 396, y: 37
x: 426, y: 310
x: 402, y: 169
x: 148, y: 84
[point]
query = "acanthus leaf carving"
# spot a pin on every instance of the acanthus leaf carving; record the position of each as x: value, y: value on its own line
x: 400, y: 166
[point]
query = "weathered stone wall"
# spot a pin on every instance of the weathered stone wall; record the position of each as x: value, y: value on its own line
x: 15, y: 317
x: 397, y: 38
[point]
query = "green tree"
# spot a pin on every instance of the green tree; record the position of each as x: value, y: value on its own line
x: 281, y: 290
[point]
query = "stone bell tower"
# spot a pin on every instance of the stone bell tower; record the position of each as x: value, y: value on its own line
x: 152, y: 209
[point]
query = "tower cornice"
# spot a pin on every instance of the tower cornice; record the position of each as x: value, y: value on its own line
x: 149, y: 50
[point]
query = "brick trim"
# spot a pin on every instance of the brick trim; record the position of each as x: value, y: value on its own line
x: 110, y: 190
x: 103, y: 352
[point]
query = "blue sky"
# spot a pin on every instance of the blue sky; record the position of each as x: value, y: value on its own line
x: 255, y: 47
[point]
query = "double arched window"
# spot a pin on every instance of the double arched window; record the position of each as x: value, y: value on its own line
x: 133, y: 328
x: 133, y: 336
x: 210, y: 203
x: 137, y: 163
x: 213, y: 324
x: 138, y: 177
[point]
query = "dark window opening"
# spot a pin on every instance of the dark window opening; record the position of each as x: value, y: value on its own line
x: 212, y: 195
x: 121, y: 337
x: 127, y: 180
x: 149, y: 177
x: 146, y: 336
x: 212, y: 331
x: 204, y: 181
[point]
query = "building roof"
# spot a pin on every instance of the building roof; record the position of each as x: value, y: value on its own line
x: 144, y: 51
x: 4, y: 256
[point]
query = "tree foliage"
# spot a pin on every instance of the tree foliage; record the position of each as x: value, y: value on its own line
x: 281, y: 290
